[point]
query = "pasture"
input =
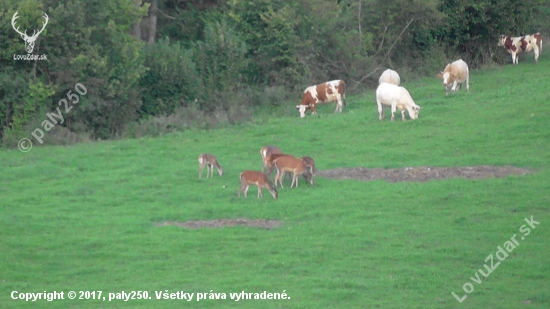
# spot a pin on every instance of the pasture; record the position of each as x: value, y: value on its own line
x: 85, y: 217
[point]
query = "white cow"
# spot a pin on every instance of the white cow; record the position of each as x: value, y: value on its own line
x: 398, y: 98
x: 389, y: 76
x: 455, y: 73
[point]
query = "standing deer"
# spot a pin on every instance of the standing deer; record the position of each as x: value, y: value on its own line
x: 210, y: 162
x: 271, y: 167
x: 29, y: 40
x: 310, y: 165
x: 270, y: 159
x: 259, y: 179
x: 266, y: 151
x: 291, y: 165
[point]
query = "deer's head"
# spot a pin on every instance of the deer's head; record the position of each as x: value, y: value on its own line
x: 29, y: 40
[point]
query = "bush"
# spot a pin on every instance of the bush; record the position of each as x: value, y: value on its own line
x: 171, y: 78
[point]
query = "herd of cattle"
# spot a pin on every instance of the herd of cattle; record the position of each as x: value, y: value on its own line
x: 388, y: 93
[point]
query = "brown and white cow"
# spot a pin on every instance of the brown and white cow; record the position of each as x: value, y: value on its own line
x: 454, y: 74
x: 517, y: 45
x: 323, y: 93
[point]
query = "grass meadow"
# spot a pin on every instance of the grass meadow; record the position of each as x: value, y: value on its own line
x: 82, y: 218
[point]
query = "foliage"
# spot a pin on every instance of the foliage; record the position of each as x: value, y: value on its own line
x: 151, y: 59
x: 171, y: 78
x: 473, y: 27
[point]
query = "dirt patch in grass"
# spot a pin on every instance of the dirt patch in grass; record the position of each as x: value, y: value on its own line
x: 219, y: 223
x: 423, y: 173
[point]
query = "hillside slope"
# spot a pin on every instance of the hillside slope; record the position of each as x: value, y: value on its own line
x: 82, y: 218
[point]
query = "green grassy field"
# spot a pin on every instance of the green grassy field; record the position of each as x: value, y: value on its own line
x: 82, y: 218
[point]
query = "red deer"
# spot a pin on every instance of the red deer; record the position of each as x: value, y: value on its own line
x: 310, y: 165
x: 269, y: 160
x: 517, y: 45
x: 323, y: 93
x: 398, y: 98
x: 210, y: 162
x: 267, y: 150
x: 454, y: 74
x: 259, y: 179
x: 289, y: 164
x: 389, y: 76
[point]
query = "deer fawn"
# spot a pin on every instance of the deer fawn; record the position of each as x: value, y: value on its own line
x: 210, y: 162
x: 259, y: 179
x: 310, y: 165
x: 266, y: 151
x: 289, y: 164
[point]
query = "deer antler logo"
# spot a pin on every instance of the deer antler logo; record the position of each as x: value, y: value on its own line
x: 29, y: 40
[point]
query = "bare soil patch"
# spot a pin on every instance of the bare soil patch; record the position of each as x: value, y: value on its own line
x: 220, y: 223
x: 423, y: 173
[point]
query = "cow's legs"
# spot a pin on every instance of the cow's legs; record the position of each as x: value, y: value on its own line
x: 468, y: 81
x: 340, y: 103
x: 380, y: 110
x: 393, y: 108
x: 536, y: 53
x: 403, y: 115
x: 453, y: 89
x: 313, y: 112
x: 514, y: 58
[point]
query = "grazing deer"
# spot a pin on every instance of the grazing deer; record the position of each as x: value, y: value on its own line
x: 289, y: 164
x: 266, y: 151
x: 259, y: 179
x: 310, y: 165
x: 210, y: 162
x: 269, y: 161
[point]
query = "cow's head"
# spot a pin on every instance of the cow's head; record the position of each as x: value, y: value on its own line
x: 302, y: 109
x: 501, y: 40
x: 446, y: 76
x: 414, y: 111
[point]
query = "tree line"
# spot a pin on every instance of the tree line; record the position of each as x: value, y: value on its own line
x: 157, y: 66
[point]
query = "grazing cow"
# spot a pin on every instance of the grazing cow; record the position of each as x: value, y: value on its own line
x: 260, y: 180
x: 398, y: 98
x: 455, y: 73
x: 323, y: 93
x: 389, y: 76
x: 266, y: 151
x: 517, y: 45
x: 210, y: 162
